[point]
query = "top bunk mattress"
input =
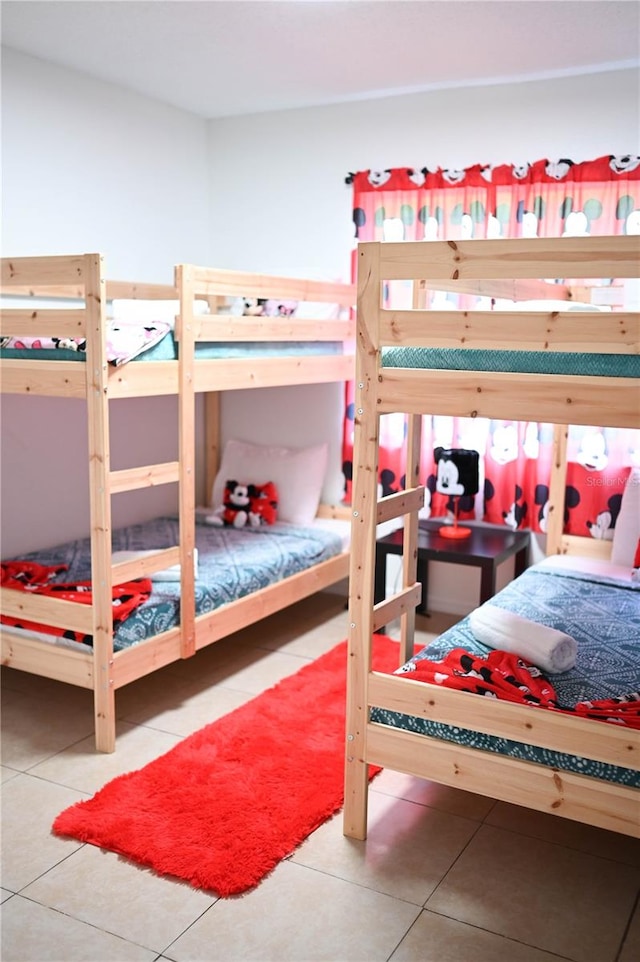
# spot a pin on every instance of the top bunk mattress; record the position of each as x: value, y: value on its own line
x: 232, y: 563
x: 166, y: 349
x: 514, y: 362
x: 600, y: 611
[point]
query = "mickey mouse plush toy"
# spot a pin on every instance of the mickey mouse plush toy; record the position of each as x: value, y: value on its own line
x: 236, y: 510
x: 246, y: 504
x: 254, y: 306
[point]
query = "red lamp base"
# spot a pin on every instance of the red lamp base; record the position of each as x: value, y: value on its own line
x: 453, y: 531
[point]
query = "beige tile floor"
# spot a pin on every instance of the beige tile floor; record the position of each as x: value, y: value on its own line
x: 444, y: 876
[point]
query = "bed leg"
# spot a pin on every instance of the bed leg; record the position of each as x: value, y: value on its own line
x: 356, y: 797
x: 104, y: 702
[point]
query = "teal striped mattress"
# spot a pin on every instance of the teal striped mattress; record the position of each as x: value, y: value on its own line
x: 515, y: 362
x: 232, y: 563
x: 602, y: 614
x: 167, y: 350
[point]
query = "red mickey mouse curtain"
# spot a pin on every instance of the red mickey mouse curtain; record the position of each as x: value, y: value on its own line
x: 544, y: 199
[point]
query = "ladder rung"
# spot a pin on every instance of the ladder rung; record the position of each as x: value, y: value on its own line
x: 145, y: 565
x: 146, y: 476
x: 397, y: 605
x: 397, y: 505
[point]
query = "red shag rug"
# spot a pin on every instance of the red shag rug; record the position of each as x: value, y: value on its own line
x: 224, y: 806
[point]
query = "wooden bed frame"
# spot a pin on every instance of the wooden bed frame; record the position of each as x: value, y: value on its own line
x: 97, y: 383
x: 513, y: 269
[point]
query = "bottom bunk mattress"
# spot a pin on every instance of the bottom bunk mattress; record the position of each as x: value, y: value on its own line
x: 600, y: 612
x: 231, y: 564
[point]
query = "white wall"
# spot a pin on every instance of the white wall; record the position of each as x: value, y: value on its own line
x: 87, y: 166
x: 279, y: 202
x: 278, y: 198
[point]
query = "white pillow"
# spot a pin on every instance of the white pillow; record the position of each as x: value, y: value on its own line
x: 298, y: 474
x: 627, y: 529
x: 138, y: 311
x: 318, y: 311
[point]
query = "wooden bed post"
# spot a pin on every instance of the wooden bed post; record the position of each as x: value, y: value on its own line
x: 100, y: 502
x: 363, y: 545
x: 412, y: 474
x: 213, y: 439
x: 410, y: 536
x: 186, y: 415
x: 557, y: 486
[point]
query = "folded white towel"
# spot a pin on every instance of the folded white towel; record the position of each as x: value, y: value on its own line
x: 166, y: 574
x: 549, y: 649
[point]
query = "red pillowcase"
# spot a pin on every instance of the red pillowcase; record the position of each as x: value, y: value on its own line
x: 635, y: 572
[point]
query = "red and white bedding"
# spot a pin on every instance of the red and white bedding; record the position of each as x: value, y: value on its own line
x: 125, y: 340
x: 37, y: 579
x: 503, y: 675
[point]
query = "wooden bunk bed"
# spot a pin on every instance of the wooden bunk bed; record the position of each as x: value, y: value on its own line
x: 59, y: 280
x: 500, y: 268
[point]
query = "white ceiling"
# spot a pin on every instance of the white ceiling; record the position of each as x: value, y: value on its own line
x: 219, y: 58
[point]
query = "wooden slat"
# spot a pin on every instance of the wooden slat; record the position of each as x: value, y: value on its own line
x: 29, y: 272
x: 209, y: 281
x: 260, y: 604
x: 578, y: 797
x: 527, y: 397
x: 75, y: 291
x: 46, y: 610
x: 43, y: 378
x: 156, y: 378
x: 137, y: 291
x: 74, y: 667
x: 224, y: 328
x: 585, y: 547
x: 241, y: 373
x: 144, y: 379
x: 67, y: 292
x: 41, y: 323
x: 583, y: 331
x: 147, y: 476
x: 68, y: 378
x: 151, y: 378
x: 145, y: 657
x: 539, y: 257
